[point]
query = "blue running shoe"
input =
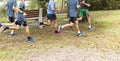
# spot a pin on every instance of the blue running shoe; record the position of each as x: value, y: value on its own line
x: 60, y: 28
x: 5, y: 28
x: 0, y: 24
x: 92, y: 28
x: 80, y: 34
x: 13, y: 34
x: 31, y: 39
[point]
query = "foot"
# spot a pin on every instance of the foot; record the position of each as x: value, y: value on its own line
x: 0, y: 24
x: 92, y: 28
x: 5, y: 28
x: 57, y: 33
x: 60, y: 28
x: 31, y: 39
x: 12, y: 34
x: 80, y: 34
x: 41, y: 23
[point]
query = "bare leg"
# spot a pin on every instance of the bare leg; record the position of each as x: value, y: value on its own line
x: 56, y: 25
x: 68, y: 25
x: 79, y: 33
x: 79, y: 19
x: 27, y: 31
x: 48, y: 23
x: 14, y: 27
x: 77, y: 26
x: 29, y: 38
x: 11, y: 26
x: 12, y: 32
x: 89, y: 21
x: 64, y: 26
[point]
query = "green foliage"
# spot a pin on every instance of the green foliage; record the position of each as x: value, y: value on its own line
x: 42, y: 3
x: 3, y: 11
x: 104, y: 4
x: 39, y: 4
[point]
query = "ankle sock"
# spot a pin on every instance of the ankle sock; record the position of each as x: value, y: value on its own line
x: 79, y: 32
x: 89, y: 27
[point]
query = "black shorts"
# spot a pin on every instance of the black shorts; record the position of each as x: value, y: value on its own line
x: 24, y: 23
x: 51, y: 17
x: 72, y: 19
x: 11, y: 19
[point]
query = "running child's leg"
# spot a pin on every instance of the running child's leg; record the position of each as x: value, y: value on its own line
x: 79, y: 33
x: 56, y: 26
x: 12, y: 20
x: 90, y: 27
x: 29, y: 38
x: 48, y: 23
x: 9, y: 26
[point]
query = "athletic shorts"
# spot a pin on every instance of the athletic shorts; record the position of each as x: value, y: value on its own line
x: 72, y: 19
x: 24, y: 23
x: 84, y: 12
x: 11, y: 19
x: 51, y: 17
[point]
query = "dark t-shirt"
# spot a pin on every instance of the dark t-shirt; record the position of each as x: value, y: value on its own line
x: 84, y: 6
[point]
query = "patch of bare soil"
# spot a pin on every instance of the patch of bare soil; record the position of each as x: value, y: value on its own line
x: 74, y: 54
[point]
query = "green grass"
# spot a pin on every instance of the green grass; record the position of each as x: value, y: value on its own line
x: 105, y: 37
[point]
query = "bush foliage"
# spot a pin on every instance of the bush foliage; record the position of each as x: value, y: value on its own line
x: 105, y: 4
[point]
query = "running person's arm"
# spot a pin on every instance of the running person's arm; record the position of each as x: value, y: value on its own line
x: 53, y: 7
x: 78, y: 5
x: 19, y: 7
x: 15, y: 6
x: 83, y: 2
x: 66, y: 5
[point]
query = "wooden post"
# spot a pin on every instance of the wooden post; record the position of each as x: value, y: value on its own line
x: 40, y: 17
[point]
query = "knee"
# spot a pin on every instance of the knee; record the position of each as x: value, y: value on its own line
x: 89, y: 20
x: 49, y: 24
x: 76, y: 22
x: 71, y: 24
x: 17, y: 27
x: 79, y: 19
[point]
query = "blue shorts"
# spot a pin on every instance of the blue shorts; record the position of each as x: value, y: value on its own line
x: 24, y: 23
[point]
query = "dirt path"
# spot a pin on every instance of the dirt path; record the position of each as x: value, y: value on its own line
x: 74, y: 54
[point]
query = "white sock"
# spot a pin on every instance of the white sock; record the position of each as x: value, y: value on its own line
x: 12, y: 32
x: 89, y: 26
x: 79, y: 32
x: 62, y: 27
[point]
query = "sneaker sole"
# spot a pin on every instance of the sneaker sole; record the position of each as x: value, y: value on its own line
x: 81, y: 34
